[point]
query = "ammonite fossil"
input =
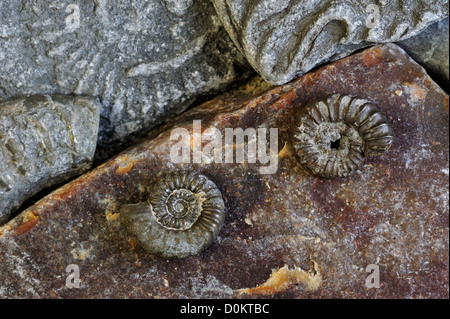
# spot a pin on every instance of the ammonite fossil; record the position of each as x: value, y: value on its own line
x: 44, y: 140
x: 183, y: 215
x: 332, y: 137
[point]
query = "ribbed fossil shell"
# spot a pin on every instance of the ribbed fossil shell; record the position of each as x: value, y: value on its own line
x: 44, y: 140
x: 332, y: 137
x: 183, y: 215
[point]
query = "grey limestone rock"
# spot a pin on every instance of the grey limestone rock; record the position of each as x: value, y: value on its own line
x: 430, y: 49
x: 283, y: 39
x: 147, y: 60
x: 44, y: 140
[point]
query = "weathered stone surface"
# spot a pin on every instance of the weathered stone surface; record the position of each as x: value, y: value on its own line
x: 44, y: 140
x: 431, y: 49
x: 285, y: 39
x: 286, y: 235
x: 146, y: 60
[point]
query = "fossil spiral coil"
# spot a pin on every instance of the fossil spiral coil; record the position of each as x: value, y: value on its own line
x: 332, y: 137
x: 183, y: 215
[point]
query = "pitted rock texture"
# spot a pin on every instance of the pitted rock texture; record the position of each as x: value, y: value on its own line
x: 44, y: 140
x: 146, y: 60
x: 283, y: 39
x: 430, y: 48
x: 285, y: 235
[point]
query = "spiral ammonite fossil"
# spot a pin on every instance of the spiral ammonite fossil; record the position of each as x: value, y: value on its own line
x: 182, y: 216
x: 333, y: 136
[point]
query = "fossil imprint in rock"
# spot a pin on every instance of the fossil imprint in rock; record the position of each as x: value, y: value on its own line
x: 44, y: 140
x: 273, y: 222
x: 183, y: 215
x: 147, y: 61
x: 283, y: 39
x: 332, y: 137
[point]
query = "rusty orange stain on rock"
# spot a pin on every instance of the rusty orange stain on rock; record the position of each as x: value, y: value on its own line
x: 417, y: 91
x: 5, y: 229
x: 311, y: 78
x: 20, y: 225
x: 26, y: 226
x: 121, y: 170
x: 125, y: 165
x: 285, y: 151
x: 287, y: 99
x: 283, y: 278
x: 371, y: 58
x: 446, y: 104
x: 67, y: 191
x: 110, y: 216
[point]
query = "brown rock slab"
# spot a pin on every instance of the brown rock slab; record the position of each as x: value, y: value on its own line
x: 286, y: 235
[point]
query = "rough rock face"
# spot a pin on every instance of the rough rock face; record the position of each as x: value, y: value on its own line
x: 146, y: 60
x: 287, y: 38
x: 287, y: 234
x: 44, y: 140
x: 431, y: 49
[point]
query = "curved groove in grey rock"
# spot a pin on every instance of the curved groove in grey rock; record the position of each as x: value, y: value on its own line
x: 285, y: 39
